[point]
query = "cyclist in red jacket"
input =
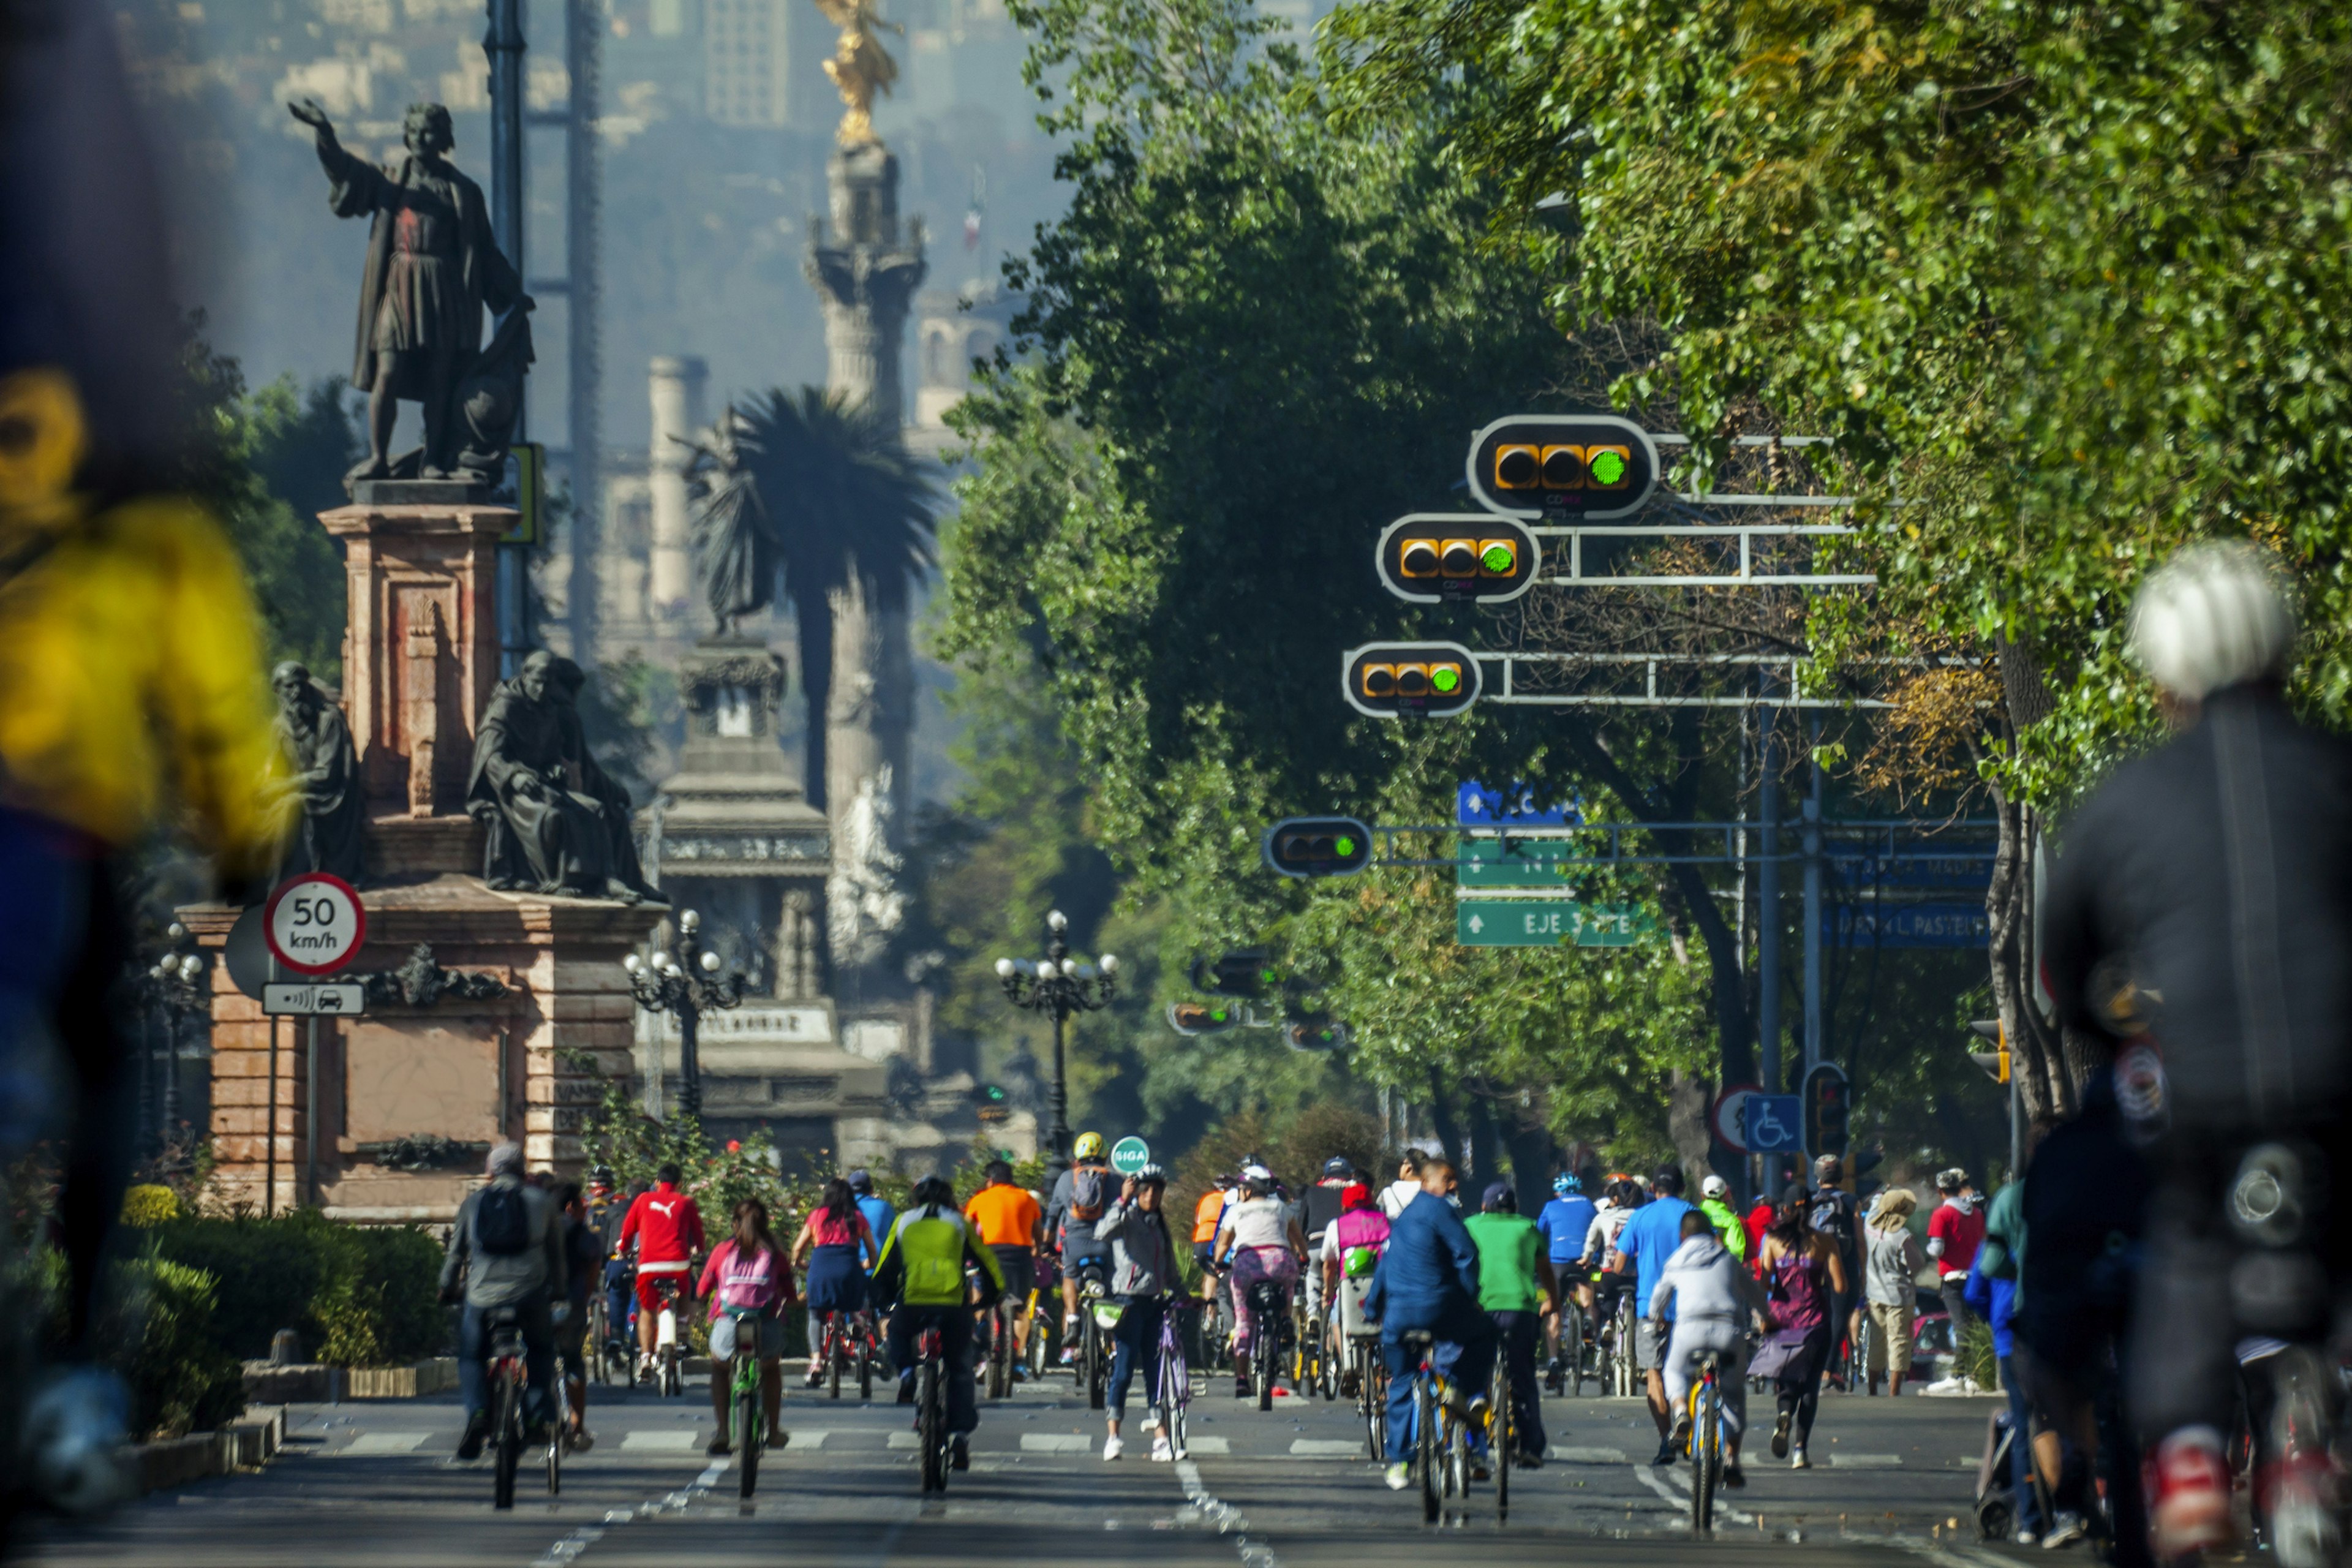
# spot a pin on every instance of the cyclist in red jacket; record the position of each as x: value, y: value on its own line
x: 668, y: 1229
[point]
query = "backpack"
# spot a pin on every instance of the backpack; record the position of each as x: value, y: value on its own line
x: 1833, y: 1216
x: 502, y: 1221
x: 1089, y: 1193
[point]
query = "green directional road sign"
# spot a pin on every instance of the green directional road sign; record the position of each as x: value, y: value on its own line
x: 1483, y: 863
x: 1129, y: 1154
x: 1548, y: 922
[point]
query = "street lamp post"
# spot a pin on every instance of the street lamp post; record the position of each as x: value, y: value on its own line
x: 1058, y: 986
x: 176, y: 987
x: 682, y: 980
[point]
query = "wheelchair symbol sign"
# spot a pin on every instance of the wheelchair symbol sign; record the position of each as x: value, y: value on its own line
x: 1775, y: 1123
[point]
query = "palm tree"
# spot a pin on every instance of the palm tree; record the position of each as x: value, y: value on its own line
x: 820, y: 487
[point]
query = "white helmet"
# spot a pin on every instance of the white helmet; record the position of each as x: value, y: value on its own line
x: 2214, y: 616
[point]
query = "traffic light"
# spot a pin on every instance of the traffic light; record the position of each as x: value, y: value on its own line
x: 1318, y: 846
x: 1203, y: 1017
x: 1828, y: 1102
x: 1241, y: 974
x: 1319, y: 1034
x: 1563, y: 467
x: 1429, y: 557
x: 1429, y: 680
x: 993, y: 1108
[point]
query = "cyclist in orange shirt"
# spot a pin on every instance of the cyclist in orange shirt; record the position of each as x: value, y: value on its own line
x: 1007, y: 1218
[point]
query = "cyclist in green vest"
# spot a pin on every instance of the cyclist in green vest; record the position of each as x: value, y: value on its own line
x: 921, y: 1271
x: 1516, y: 1288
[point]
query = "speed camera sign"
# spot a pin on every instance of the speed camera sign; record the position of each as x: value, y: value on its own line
x: 314, y: 924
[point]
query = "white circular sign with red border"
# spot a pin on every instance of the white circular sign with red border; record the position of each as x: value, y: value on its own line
x: 315, y: 923
x: 1728, y: 1113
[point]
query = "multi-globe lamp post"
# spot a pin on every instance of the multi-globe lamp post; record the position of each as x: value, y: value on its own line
x: 683, y: 981
x: 1059, y: 987
x: 176, y: 985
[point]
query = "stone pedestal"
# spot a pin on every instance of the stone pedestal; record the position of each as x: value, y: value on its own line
x: 411, y: 1095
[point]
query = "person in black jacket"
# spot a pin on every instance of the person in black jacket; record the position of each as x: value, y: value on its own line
x: 2200, y: 922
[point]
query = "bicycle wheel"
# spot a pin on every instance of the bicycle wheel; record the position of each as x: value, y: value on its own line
x: 931, y: 1402
x: 507, y: 1457
x: 1425, y: 1446
x: 555, y: 1431
x: 1705, y: 1457
x: 1500, y: 1435
x: 1261, y: 1363
x: 1372, y: 1398
x: 748, y: 1435
x: 864, y: 1369
x: 837, y: 1350
x: 1175, y: 1395
x: 1571, y: 1347
x: 1093, y: 1361
x: 1000, y: 1353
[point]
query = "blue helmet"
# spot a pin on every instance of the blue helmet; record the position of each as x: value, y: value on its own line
x: 1565, y: 1183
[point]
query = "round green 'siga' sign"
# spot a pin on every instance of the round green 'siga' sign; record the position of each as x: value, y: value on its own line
x: 1129, y: 1155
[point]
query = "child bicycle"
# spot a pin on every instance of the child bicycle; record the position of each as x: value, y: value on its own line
x: 747, y: 1402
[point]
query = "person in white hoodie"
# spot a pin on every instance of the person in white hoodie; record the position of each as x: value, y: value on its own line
x: 1715, y: 1299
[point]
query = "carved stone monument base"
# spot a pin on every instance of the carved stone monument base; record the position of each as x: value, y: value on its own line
x: 411, y: 1097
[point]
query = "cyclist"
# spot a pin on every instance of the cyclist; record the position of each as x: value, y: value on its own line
x: 1081, y: 1195
x: 1142, y: 1275
x: 1205, y: 1216
x: 1562, y: 1227
x: 1405, y: 1188
x: 1648, y: 1239
x: 1316, y: 1207
x: 1351, y: 1249
x: 583, y: 1259
x: 1715, y: 1301
x: 1260, y: 1239
x: 508, y: 1245
x: 668, y: 1230
x: 1008, y: 1218
x: 1714, y: 1202
x: 606, y: 1209
x: 920, y: 1276
x: 1518, y: 1290
x: 1427, y: 1281
x: 833, y: 1241
x: 748, y: 1270
x: 879, y: 1215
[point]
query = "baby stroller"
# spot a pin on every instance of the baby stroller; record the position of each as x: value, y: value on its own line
x: 1995, y: 1493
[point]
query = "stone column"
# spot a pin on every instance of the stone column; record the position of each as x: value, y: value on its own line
x: 676, y: 384
x: 865, y: 275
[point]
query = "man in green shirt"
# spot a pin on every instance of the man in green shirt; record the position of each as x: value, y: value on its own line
x: 1714, y: 1196
x: 1516, y: 1288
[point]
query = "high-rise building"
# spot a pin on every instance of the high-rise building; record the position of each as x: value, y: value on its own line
x: 748, y: 49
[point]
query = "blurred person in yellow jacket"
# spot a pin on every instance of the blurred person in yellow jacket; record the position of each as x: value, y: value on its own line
x: 132, y: 696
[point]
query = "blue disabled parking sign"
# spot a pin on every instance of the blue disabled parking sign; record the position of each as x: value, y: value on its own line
x: 1774, y: 1123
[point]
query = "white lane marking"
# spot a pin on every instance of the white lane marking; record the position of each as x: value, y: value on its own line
x: 1213, y: 1446
x: 1584, y: 1455
x: 1955, y: 1555
x: 385, y: 1443
x: 1866, y: 1461
x: 804, y: 1438
x: 564, y: 1550
x: 648, y: 1442
x: 905, y: 1440
x: 1326, y: 1448
x: 1227, y: 1519
x: 1680, y: 1495
x: 1053, y: 1442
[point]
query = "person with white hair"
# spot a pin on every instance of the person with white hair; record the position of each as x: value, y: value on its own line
x: 2201, y: 907
x: 506, y: 1249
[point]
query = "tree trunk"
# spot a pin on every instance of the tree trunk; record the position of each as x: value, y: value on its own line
x: 1440, y: 1116
x: 1687, y: 1099
x: 1485, y: 1155
x: 2050, y: 1071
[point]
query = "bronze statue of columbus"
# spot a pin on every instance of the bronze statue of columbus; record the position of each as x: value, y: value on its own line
x: 432, y: 266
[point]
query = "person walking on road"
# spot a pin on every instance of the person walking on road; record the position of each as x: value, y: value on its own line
x: 1954, y: 1231
x: 1649, y: 1238
x: 1715, y: 1299
x: 1143, y: 1278
x: 1427, y: 1281
x: 1836, y: 1217
x: 1891, y: 1266
x: 1518, y: 1291
x: 506, y: 1249
x: 1804, y: 1276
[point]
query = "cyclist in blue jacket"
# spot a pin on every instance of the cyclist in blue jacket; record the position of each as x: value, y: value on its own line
x: 1562, y: 1227
x: 1427, y: 1281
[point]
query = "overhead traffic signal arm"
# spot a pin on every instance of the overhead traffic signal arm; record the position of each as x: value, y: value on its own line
x: 1427, y: 558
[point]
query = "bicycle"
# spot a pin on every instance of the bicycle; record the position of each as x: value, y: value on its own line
x: 669, y: 1370
x: 747, y: 1403
x: 1502, y: 1432
x: 931, y: 1407
x: 593, y: 1343
x: 1040, y: 1352
x: 510, y: 1389
x: 1270, y: 1318
x: 845, y: 1341
x: 1705, y: 1443
x: 1441, y: 1459
x: 1175, y: 1379
x: 1568, y: 1373
x: 1091, y: 1364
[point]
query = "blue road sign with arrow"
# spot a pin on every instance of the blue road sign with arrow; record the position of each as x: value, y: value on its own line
x: 1476, y: 806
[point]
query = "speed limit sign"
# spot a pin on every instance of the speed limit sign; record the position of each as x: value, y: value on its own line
x: 314, y: 924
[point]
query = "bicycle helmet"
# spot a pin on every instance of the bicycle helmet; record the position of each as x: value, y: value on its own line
x: 603, y: 1176
x: 1565, y: 1183
x: 2214, y: 615
x: 1152, y: 1175
x: 1089, y: 1146
x: 1338, y: 1165
x: 934, y: 1189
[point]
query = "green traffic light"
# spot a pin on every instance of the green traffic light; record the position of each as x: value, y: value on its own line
x: 1497, y: 558
x: 1445, y: 680
x: 1608, y: 467
x: 1216, y: 1014
x: 1345, y: 846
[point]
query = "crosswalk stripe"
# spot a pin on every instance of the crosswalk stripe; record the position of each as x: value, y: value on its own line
x: 1866, y: 1461
x: 386, y: 1443
x: 1586, y: 1456
x: 1325, y: 1447
x: 661, y: 1441
x: 1053, y: 1443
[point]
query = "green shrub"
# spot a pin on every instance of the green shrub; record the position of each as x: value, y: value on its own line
x: 163, y: 1334
x: 355, y: 1296
x: 1973, y: 1357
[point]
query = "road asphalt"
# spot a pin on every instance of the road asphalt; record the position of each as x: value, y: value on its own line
x: 374, y: 1485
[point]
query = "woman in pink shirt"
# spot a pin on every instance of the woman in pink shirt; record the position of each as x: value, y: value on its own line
x: 748, y: 1270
